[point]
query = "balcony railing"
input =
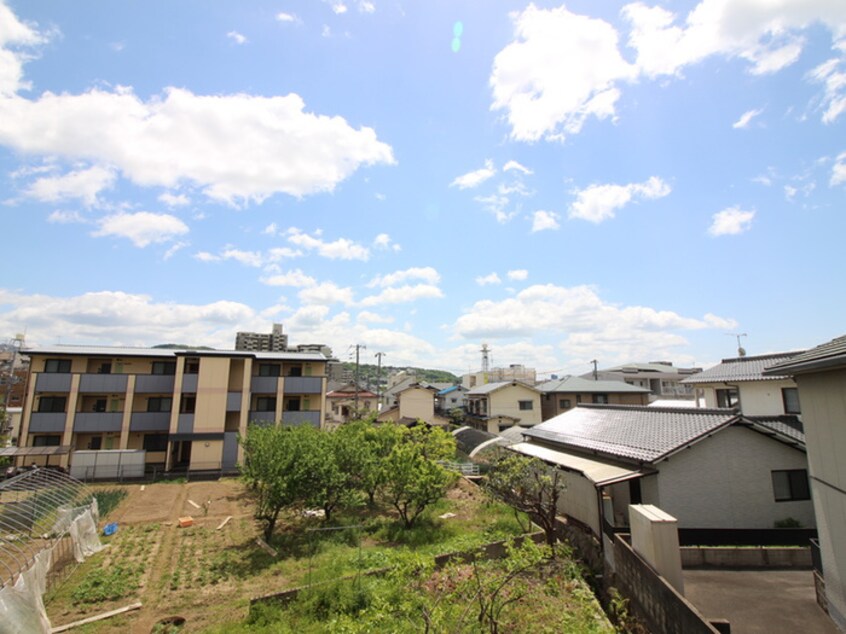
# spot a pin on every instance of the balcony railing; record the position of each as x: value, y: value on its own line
x: 262, y: 417
x: 189, y: 382
x: 233, y: 402
x: 264, y: 384
x: 301, y: 418
x: 303, y: 384
x: 102, y: 383
x: 93, y: 422
x: 149, y: 421
x: 154, y: 383
x: 185, y: 424
x: 53, y: 382
x: 47, y: 422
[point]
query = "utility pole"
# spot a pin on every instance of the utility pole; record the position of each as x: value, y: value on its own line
x: 358, y: 348
x: 379, y: 356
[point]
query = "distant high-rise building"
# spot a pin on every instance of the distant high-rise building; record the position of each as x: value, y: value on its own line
x: 275, y: 341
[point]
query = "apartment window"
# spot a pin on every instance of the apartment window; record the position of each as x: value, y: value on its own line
x: 790, y: 397
x: 99, y: 405
x: 727, y: 398
x: 52, y: 404
x: 526, y: 405
x: 155, y: 442
x: 46, y: 441
x: 105, y: 368
x: 56, y: 366
x: 296, y: 370
x: 164, y: 367
x: 270, y: 369
x: 292, y: 405
x: 791, y: 485
x: 266, y: 404
x: 600, y: 398
x: 159, y: 404
x: 564, y: 403
x: 192, y: 366
x: 96, y: 443
x: 188, y: 404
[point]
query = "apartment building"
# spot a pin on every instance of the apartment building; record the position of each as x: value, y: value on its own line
x: 274, y: 341
x: 184, y: 407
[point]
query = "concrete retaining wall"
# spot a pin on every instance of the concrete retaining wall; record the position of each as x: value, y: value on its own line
x: 764, y: 557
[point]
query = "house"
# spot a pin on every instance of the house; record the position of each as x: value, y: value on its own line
x: 496, y: 406
x: 661, y: 378
x: 184, y: 407
x: 709, y: 468
x: 450, y: 398
x: 560, y: 395
x: 741, y: 382
x: 820, y: 375
x: 415, y: 402
x: 346, y: 402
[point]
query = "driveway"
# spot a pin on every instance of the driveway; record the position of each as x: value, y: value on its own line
x: 765, y: 601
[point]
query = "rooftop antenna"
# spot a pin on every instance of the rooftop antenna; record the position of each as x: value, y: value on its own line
x: 595, y: 375
x: 741, y: 352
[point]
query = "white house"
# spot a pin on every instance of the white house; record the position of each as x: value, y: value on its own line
x: 499, y: 405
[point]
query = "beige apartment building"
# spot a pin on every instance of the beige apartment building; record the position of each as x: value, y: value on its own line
x: 184, y: 407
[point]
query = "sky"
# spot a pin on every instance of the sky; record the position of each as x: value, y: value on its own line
x: 624, y: 182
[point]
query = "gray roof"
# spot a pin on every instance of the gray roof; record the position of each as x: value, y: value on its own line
x: 123, y: 351
x: 825, y: 356
x: 649, y: 367
x: 640, y: 433
x: 487, y: 388
x: 788, y: 428
x: 577, y: 384
x: 742, y: 369
x: 467, y: 439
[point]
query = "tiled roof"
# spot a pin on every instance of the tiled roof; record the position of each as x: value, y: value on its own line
x: 578, y: 384
x: 742, y: 369
x: 827, y: 355
x: 641, y: 433
x: 789, y: 427
x: 468, y: 438
x: 487, y: 388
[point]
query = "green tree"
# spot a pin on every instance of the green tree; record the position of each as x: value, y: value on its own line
x: 528, y: 485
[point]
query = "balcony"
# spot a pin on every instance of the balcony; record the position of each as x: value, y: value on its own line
x: 53, y: 382
x: 154, y: 383
x: 189, y: 382
x: 263, y: 417
x: 233, y: 402
x: 301, y: 418
x: 185, y: 424
x: 303, y: 385
x: 93, y: 422
x: 102, y: 383
x: 149, y: 421
x: 264, y: 384
x: 47, y: 422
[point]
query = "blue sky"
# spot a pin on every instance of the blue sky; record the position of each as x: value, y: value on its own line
x: 612, y: 181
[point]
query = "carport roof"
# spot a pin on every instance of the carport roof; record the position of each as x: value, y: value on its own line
x: 600, y: 472
x: 36, y: 451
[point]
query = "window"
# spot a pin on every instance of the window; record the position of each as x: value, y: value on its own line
x: 266, y: 404
x: 96, y: 443
x: 52, y: 404
x: 790, y: 397
x: 791, y: 485
x: 600, y: 398
x: 159, y: 404
x: 270, y: 369
x: 105, y: 368
x: 164, y: 367
x: 54, y: 366
x: 525, y: 405
x: 46, y: 441
x: 99, y: 405
x: 727, y: 398
x: 188, y: 404
x: 192, y: 366
x: 564, y: 403
x: 292, y: 405
x: 155, y: 442
x: 296, y: 370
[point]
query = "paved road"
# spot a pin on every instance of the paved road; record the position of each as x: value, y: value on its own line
x: 765, y: 601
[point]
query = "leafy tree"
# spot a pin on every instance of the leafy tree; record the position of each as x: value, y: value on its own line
x: 364, y: 451
x: 528, y: 485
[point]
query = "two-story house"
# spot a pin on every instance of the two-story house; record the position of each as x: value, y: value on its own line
x: 560, y: 395
x: 497, y: 406
x: 184, y: 407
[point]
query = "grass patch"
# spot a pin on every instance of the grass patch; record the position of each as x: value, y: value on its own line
x: 108, y: 500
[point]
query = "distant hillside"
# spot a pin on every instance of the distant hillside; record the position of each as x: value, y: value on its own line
x: 368, y: 373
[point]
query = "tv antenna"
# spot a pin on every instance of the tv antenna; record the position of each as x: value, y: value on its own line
x: 741, y: 351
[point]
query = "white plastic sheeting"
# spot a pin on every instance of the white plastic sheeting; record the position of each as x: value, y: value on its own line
x: 83, y: 532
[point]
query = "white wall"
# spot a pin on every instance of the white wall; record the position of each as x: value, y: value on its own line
x: 725, y: 481
x: 757, y: 398
x: 579, y: 500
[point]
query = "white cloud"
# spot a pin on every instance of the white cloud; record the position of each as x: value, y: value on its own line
x: 270, y: 229
x: 731, y: 221
x: 340, y: 249
x: 597, y: 203
x: 61, y: 217
x: 339, y: 8
x: 745, y: 118
x: 838, y: 172
x: 14, y: 34
x: 403, y: 294
x: 326, y: 294
x: 294, y: 278
x: 497, y: 204
x: 518, y: 275
x: 544, y: 220
x: 237, y: 148
x: 575, y: 311
x: 475, y: 178
x: 286, y: 17
x: 174, y: 200
x: 205, y: 256
x: 236, y: 37
x: 367, y: 317
x: 177, y: 246
x: 247, y: 258
x: 833, y: 77
x: 541, y: 79
x: 282, y: 253
x: 364, y: 6
x: 84, y: 184
x: 383, y: 241
x: 514, y: 165
x: 142, y: 228
x: 425, y: 273
x: 487, y: 280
